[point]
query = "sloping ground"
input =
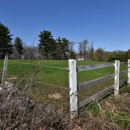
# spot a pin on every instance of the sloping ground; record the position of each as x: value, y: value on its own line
x: 17, y: 111
x: 110, y: 113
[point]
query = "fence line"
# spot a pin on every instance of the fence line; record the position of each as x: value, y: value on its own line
x: 74, y: 87
x: 74, y: 104
x: 97, y: 95
x: 123, y: 63
x: 90, y: 67
x: 41, y: 66
x: 52, y: 85
x: 93, y: 82
x: 56, y: 67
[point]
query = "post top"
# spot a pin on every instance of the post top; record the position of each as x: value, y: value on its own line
x: 71, y: 59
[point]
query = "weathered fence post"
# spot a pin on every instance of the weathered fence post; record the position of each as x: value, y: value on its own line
x: 116, y: 78
x: 4, y: 70
x: 73, y: 89
x: 128, y: 72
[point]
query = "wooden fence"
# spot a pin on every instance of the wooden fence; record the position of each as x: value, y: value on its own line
x: 4, y: 70
x: 74, y: 87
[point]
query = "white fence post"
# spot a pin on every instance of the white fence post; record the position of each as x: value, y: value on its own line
x: 128, y: 72
x: 116, y: 78
x: 4, y: 70
x: 73, y: 89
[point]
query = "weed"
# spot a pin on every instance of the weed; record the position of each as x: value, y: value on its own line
x: 117, y: 100
x: 93, y: 108
x: 123, y: 120
x: 108, y: 113
x: 125, y: 89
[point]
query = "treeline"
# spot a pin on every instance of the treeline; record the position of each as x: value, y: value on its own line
x: 56, y: 49
x: 101, y: 55
x: 50, y: 48
x: 87, y: 52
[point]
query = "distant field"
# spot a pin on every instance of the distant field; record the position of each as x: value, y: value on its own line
x: 56, y: 73
x: 21, y: 68
x: 51, y: 79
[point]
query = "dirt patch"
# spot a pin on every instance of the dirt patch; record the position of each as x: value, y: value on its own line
x: 55, y: 96
x: 11, y: 78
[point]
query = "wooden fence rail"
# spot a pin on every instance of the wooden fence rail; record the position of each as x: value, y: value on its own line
x: 97, y: 95
x: 91, y: 67
x: 74, y: 87
x: 93, y: 82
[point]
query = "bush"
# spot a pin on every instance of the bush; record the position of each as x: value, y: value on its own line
x: 117, y: 56
x: 17, y: 111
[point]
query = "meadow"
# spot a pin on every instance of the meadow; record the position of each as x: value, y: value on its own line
x: 49, y: 79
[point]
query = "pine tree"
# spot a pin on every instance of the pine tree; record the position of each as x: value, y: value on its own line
x: 47, y: 44
x: 18, y: 45
x: 5, y: 40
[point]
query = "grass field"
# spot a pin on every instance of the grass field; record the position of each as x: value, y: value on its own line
x: 49, y: 85
x: 52, y: 78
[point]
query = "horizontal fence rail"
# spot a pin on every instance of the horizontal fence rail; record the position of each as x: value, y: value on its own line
x: 93, y: 82
x: 97, y: 95
x: 90, y: 67
x: 74, y: 87
x: 56, y: 67
x: 123, y: 63
x: 123, y: 72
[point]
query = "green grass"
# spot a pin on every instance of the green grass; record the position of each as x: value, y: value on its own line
x: 58, y: 77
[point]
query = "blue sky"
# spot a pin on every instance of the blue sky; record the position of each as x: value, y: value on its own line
x: 106, y: 22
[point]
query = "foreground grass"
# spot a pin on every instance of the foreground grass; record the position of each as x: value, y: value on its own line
x: 110, y: 113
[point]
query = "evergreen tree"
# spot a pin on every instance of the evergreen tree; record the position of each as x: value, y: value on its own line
x: 47, y: 44
x: 72, y: 54
x: 62, y: 48
x: 5, y: 40
x: 65, y: 47
x: 59, y: 51
x: 127, y: 55
x: 18, y: 45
